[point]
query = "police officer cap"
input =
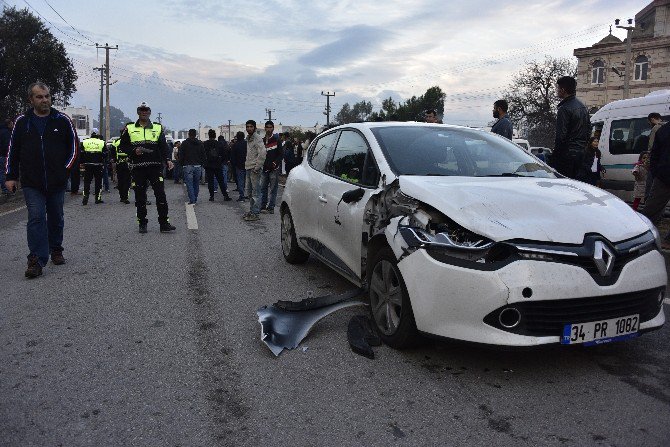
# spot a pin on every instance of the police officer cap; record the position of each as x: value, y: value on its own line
x: 144, y: 105
x: 94, y: 131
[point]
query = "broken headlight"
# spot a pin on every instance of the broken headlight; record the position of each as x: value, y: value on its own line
x: 452, y: 244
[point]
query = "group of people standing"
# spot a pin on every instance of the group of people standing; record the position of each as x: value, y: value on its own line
x: 253, y: 160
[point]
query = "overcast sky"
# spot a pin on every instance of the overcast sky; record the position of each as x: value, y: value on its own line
x: 202, y: 61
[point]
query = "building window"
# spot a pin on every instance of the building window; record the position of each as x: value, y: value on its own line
x: 641, y: 68
x: 598, y: 72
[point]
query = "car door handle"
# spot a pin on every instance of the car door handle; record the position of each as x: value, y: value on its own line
x: 322, y: 199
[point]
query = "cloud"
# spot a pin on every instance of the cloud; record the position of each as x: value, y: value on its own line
x: 354, y: 43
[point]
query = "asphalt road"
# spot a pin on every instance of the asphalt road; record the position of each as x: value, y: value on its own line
x: 153, y: 340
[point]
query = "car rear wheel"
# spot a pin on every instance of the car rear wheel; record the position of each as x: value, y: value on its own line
x: 389, y: 302
x: 289, y: 243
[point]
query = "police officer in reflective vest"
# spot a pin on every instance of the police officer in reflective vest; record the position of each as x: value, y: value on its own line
x: 93, y: 156
x: 147, y: 150
x: 122, y: 170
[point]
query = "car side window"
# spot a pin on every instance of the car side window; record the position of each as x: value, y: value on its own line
x: 630, y: 136
x: 352, y: 160
x: 321, y: 150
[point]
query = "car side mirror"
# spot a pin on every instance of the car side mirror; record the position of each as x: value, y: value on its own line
x: 353, y: 196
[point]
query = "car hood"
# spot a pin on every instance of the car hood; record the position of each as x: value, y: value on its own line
x: 538, y: 209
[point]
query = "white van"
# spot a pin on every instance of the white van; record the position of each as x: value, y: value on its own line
x: 624, y: 133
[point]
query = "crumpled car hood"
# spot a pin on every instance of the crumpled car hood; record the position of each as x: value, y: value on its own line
x: 553, y: 210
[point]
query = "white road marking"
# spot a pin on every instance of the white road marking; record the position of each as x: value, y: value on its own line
x: 13, y: 211
x: 191, y: 220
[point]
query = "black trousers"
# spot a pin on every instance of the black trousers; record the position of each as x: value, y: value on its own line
x: 75, y: 178
x: 212, y: 175
x: 91, y: 172
x: 123, y: 180
x: 154, y: 175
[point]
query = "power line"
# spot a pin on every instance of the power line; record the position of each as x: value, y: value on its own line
x: 77, y: 31
x: 79, y: 42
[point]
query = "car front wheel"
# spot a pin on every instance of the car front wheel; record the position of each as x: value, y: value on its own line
x: 389, y: 301
x: 289, y: 243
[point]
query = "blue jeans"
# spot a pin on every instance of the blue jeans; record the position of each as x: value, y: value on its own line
x: 176, y: 171
x: 269, y: 181
x: 45, y: 222
x: 3, y: 161
x: 192, y: 175
x: 240, y: 178
x: 224, y: 187
x: 252, y: 187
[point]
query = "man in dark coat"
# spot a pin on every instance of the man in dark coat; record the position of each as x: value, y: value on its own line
x: 42, y: 150
x: 237, y: 160
x: 217, y: 156
x: 659, y: 165
x: 572, y: 128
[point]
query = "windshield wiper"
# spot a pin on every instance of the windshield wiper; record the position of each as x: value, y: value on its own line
x: 504, y: 174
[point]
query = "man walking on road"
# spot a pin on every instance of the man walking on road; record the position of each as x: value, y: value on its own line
x: 271, y: 169
x: 93, y: 156
x: 572, y: 128
x: 217, y: 155
x: 42, y: 150
x: 659, y: 165
x: 192, y: 158
x: 238, y: 158
x: 147, y: 150
x: 503, y: 126
x: 253, y: 165
x: 5, y: 133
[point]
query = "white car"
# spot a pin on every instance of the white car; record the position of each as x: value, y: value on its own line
x: 461, y: 234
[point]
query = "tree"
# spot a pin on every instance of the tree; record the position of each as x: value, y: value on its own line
x: 413, y: 109
x: 117, y: 120
x: 30, y: 53
x: 532, y: 98
x: 358, y: 113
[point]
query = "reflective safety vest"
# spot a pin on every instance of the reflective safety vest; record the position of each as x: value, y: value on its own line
x: 93, y: 145
x: 121, y: 157
x: 141, y: 135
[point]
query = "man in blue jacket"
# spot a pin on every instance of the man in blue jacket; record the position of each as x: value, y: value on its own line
x: 42, y: 150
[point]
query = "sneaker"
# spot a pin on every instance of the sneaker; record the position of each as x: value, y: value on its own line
x: 211, y: 198
x: 227, y: 198
x: 34, y: 268
x: 241, y: 199
x: 126, y: 201
x: 57, y: 258
x: 270, y: 210
x: 264, y: 211
x: 143, y: 228
x: 252, y: 217
x: 99, y: 201
x: 166, y: 227
x: 84, y: 201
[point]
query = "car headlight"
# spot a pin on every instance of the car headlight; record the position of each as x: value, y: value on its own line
x: 652, y: 227
x: 452, y: 244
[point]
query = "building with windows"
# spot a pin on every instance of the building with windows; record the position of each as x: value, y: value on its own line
x: 82, y: 118
x: 601, y: 67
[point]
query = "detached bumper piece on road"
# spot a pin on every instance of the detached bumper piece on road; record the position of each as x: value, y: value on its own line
x: 285, y: 324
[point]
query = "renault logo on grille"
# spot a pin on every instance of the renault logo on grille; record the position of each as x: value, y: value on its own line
x: 604, y: 258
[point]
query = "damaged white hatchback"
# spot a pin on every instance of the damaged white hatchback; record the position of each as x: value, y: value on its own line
x: 459, y: 233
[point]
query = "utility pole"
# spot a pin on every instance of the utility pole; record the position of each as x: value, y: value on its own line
x: 160, y: 118
x: 228, y: 130
x: 199, y: 124
x: 327, y: 112
x: 102, y: 83
x: 107, y: 47
x: 626, y: 73
x: 269, y: 112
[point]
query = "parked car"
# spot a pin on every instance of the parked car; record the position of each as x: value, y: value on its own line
x: 525, y: 145
x: 458, y: 233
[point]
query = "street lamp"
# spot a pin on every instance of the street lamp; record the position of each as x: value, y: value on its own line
x: 626, y: 78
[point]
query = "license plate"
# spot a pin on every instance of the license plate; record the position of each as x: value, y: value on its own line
x: 600, y: 332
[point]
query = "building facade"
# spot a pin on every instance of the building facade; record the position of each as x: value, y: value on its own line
x: 82, y: 117
x: 601, y: 68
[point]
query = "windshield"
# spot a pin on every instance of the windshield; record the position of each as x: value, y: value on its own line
x: 423, y: 150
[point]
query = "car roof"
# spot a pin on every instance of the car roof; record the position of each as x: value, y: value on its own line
x: 374, y: 124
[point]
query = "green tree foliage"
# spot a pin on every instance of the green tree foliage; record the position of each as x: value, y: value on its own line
x: 413, y: 109
x: 117, y: 120
x: 359, y: 112
x: 30, y: 53
x: 532, y: 98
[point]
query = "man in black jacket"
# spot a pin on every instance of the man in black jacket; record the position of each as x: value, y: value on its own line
x: 5, y: 133
x: 659, y: 165
x: 192, y: 158
x: 271, y: 169
x: 238, y: 158
x: 217, y: 155
x: 42, y: 150
x: 572, y: 128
